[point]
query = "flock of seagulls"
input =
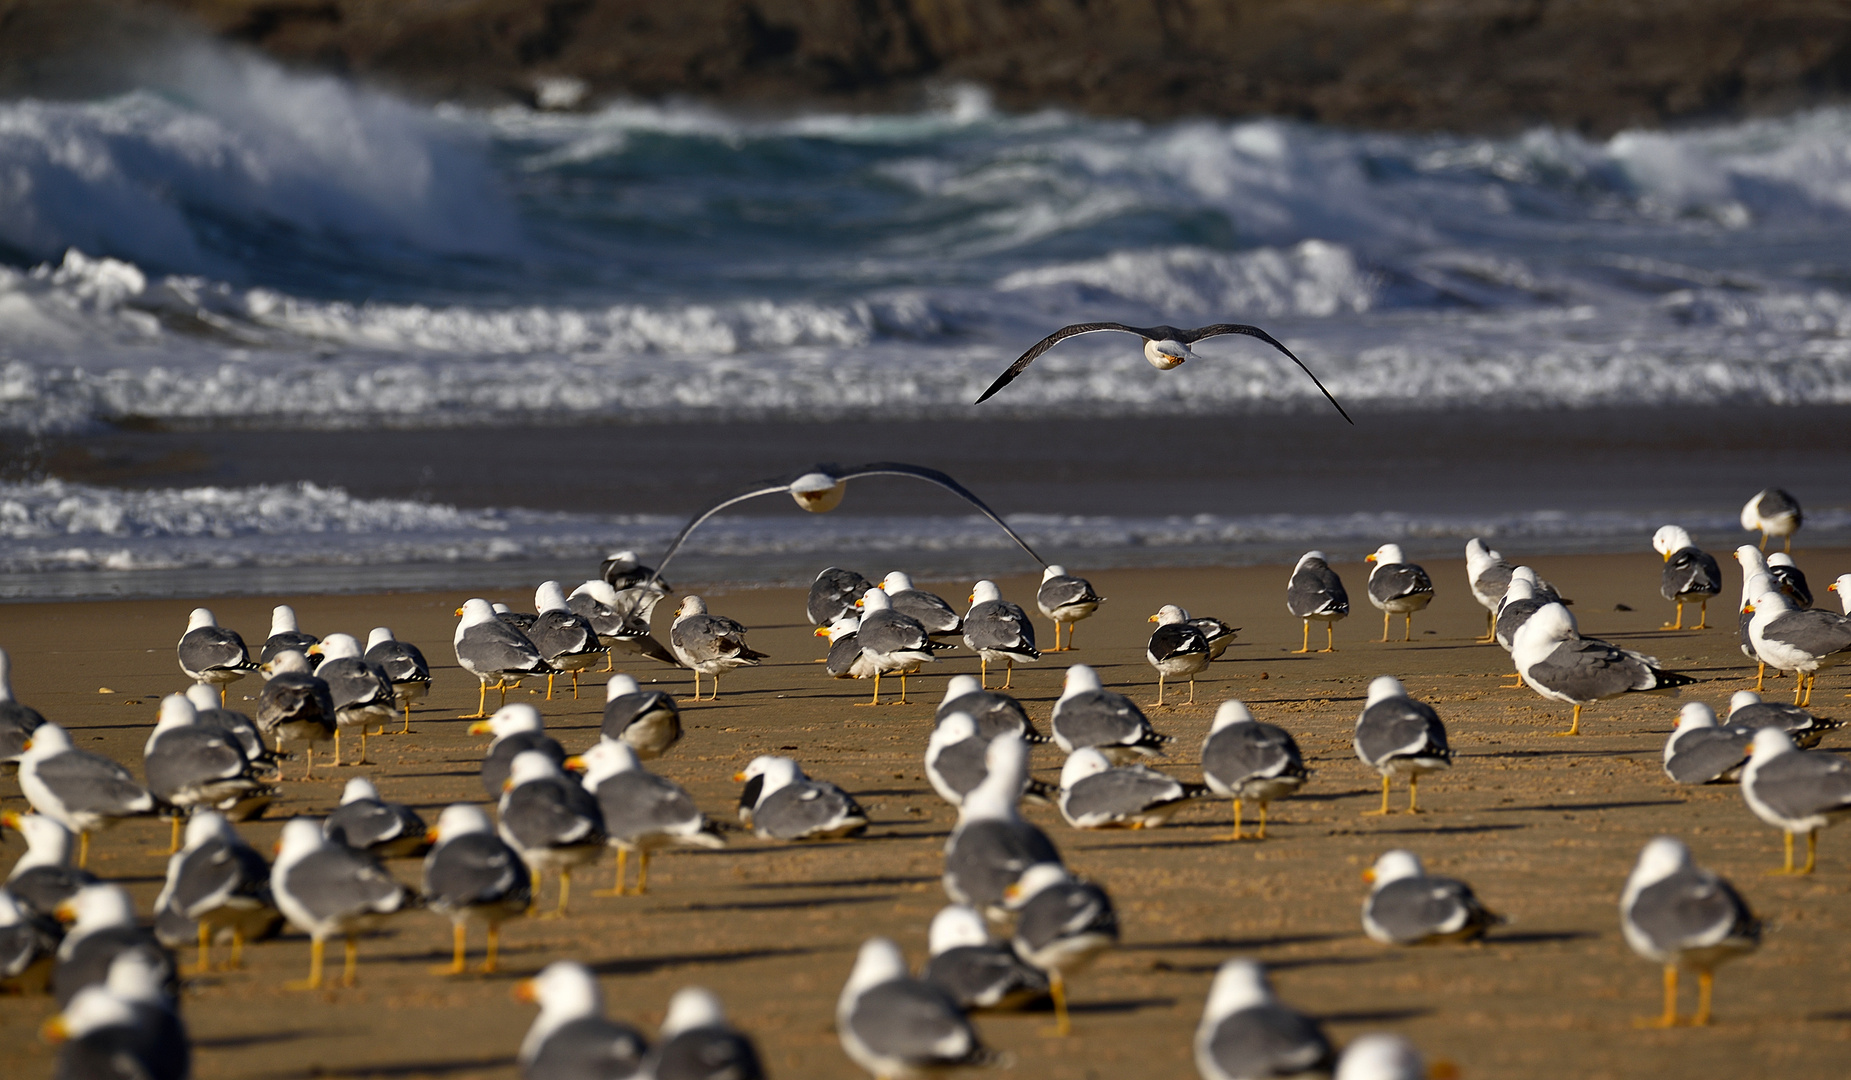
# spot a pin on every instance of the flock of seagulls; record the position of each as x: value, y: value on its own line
x: 1019, y: 925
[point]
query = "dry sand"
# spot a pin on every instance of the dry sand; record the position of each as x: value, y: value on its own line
x: 1545, y: 828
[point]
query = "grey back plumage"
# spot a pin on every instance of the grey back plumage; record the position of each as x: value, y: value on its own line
x: 1587, y: 670
x: 985, y: 976
x: 400, y: 660
x: 550, y: 812
x: 499, y: 761
x: 624, y: 711
x: 705, y: 1053
x: 287, y: 641
x: 1266, y: 1040
x: 1399, y: 581
x: 86, y: 961
x: 1690, y: 574
x: 1000, y: 626
x: 298, y: 701
x: 1802, y: 785
x: 1240, y: 753
x: 1692, y: 908
x: 994, y: 711
x: 1125, y: 793
x: 1401, y: 727
x: 209, y: 650
x: 495, y: 648
x: 1513, y: 615
x: 1104, y: 719
x: 476, y: 870
x: 638, y: 806
x: 916, y: 1022
x: 1062, y: 591
x: 1411, y: 910
x: 1316, y: 590
x: 929, y: 610
x: 355, y: 684
x: 1707, y: 754
x: 1802, y: 726
x: 808, y: 808
x: 986, y: 856
x: 1062, y: 913
x: 385, y: 829
x: 191, y: 764
x: 833, y: 595
x: 561, y: 634
x: 589, y: 1048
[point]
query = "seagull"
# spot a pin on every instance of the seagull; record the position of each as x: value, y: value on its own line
x: 1789, y: 579
x: 1747, y: 710
x: 567, y: 641
x: 622, y: 570
x: 405, y: 668
x: 1314, y: 591
x: 1681, y: 915
x: 1803, y: 642
x: 28, y: 946
x: 1246, y: 1034
x: 1165, y: 347
x: 1381, y: 1057
x: 1065, y: 600
x: 928, y: 609
x: 1842, y: 586
x: 781, y: 803
x: 296, y: 706
x: 954, y: 757
x: 1062, y: 924
x: 820, y: 488
x: 1089, y: 715
x: 1399, y: 736
x: 472, y: 875
x: 571, y: 1039
x: 517, y: 728
x: 1245, y: 760
x: 977, y: 972
x: 893, y: 642
x: 1524, y: 598
x: 189, y: 765
x: 894, y: 1025
x: 284, y: 635
x: 696, y: 1043
x: 81, y: 791
x: 709, y: 644
x: 551, y: 820
x: 1796, y: 791
x: 241, y: 729
x: 218, y: 884
x: 1408, y: 906
x: 1095, y: 794
x: 1219, y: 634
x: 17, y: 722
x: 103, y: 927
x: 994, y: 711
x: 1560, y: 664
x: 1691, y: 575
x: 833, y: 595
x: 1755, y: 581
x: 43, y: 877
x: 1701, y: 752
x: 1177, y: 648
x: 1397, y: 587
x: 1773, y: 512
x: 489, y: 648
x: 998, y: 632
x: 362, y: 693
x: 209, y: 653
x: 845, y: 659
x: 365, y: 822
x: 642, y: 811
x: 621, y: 619
x: 992, y: 845
x: 648, y: 721
x: 124, y: 1026
x: 1489, y: 576
x: 520, y: 620
x: 326, y: 889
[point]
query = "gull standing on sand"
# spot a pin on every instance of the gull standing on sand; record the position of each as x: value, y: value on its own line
x: 1796, y: 791
x: 472, y: 875
x: 1842, y: 586
x: 648, y: 721
x: 103, y: 927
x: 124, y: 1026
x: 1683, y: 916
x: 517, y: 728
x: 1747, y: 710
x: 489, y: 648
x: 1095, y: 794
x: 217, y: 883
x: 296, y: 706
x: 1803, y: 642
x: 189, y: 765
x: 1489, y: 577
x: 362, y: 693
x: 1177, y: 648
x: 571, y: 1039
x: 17, y: 722
x: 1524, y: 597
x: 642, y: 811
x: 365, y: 822
x: 326, y: 890
x: 994, y: 711
x: 43, y: 877
x: 845, y: 659
x: 955, y: 757
x: 1248, y: 761
x: 781, y: 803
x: 1399, y: 736
x: 998, y: 632
x: 1755, y: 581
x: 1065, y: 600
x: 1773, y: 512
x: 1087, y: 714
x: 1247, y: 1034
x: 1702, y: 752
x: 1789, y: 579
x: 405, y: 668
x: 285, y: 634
x: 1408, y: 906
x: 1062, y: 924
x: 82, y: 791
x: 893, y: 642
x: 210, y: 653
x: 1315, y: 592
x: 696, y: 1043
x: 992, y: 845
x: 1397, y: 587
x: 834, y: 594
x: 978, y: 973
x: 1561, y: 665
x: 1691, y: 575
x: 928, y: 609
x: 241, y: 729
x: 894, y: 1025
x: 567, y: 640
x: 551, y: 820
x: 622, y: 621
x: 709, y: 644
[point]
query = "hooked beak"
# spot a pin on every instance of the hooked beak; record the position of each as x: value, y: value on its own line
x: 821, y: 631
x: 1012, y: 892
x: 65, y: 912
x: 1833, y: 587
x: 314, y: 650
x: 575, y: 763
x: 508, y: 784
x: 481, y: 727
x: 1369, y: 875
x: 1748, y: 609
x: 55, y: 1030
x: 459, y: 613
x: 525, y: 991
x: 1369, y: 558
x: 10, y: 818
x: 430, y: 836
x: 1667, y: 556
x: 1153, y: 618
x: 861, y: 603
x: 741, y: 776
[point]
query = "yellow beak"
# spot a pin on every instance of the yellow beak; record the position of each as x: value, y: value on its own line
x: 740, y: 776
x: 861, y: 603
x: 1833, y: 587
x: 574, y: 763
x: 10, y: 818
x: 55, y: 1030
x: 459, y: 613
x: 525, y: 991
x: 1748, y: 609
x: 430, y: 836
x: 1368, y: 558
x: 1667, y: 556
x: 65, y: 912
x: 481, y: 727
x: 1153, y: 618
x: 1369, y: 875
x: 821, y: 631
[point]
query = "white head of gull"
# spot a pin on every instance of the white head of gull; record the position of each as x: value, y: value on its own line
x: 461, y: 819
x: 1671, y: 539
x: 1230, y: 713
x: 1394, y: 866
x: 357, y: 789
x: 565, y: 992
x: 93, y: 908
x: 619, y: 686
x: 1006, y: 760
x: 1079, y: 679
x: 1380, y: 1056
x: 958, y: 686
x: 550, y: 596
x: 692, y: 1007
x: 1082, y: 763
x: 177, y: 711
x: 606, y: 759
x: 510, y: 719
x: 956, y: 926
x: 777, y: 772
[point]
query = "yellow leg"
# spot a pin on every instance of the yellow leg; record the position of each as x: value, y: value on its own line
x: 1679, y: 623
x: 1071, y: 627
x: 575, y: 686
x: 1574, y: 728
x: 1385, y: 627
x: 308, y: 771
x: 406, y: 730
x: 622, y: 867
x: 503, y: 687
x: 549, y: 688
x: 902, y: 700
x: 1787, y: 867
x: 533, y: 890
x: 1009, y: 675
x: 1491, y: 629
x: 317, y: 948
x: 352, y: 967
x: 1812, y: 851
x: 565, y: 894
x: 1159, y: 700
x: 1413, y: 787
x: 337, y: 747
x: 1235, y: 835
x: 1261, y: 835
x: 1057, y: 989
x: 1761, y: 678
x: 697, y: 687
x: 1407, y: 627
x: 481, y: 704
x: 363, y: 760
x: 459, y: 953
x: 221, y: 695
x: 877, y: 691
x: 1706, y: 983
x: 1307, y: 646
x: 1799, y: 686
x: 1669, y: 1019
x: 983, y: 673
x: 1810, y: 680
x: 1330, y: 636
x: 205, y: 947
x: 610, y: 660
x: 1192, y: 689
x: 642, y: 872
x: 83, y: 849
x: 1764, y: 541
x: 1384, y: 810
x: 174, y: 845
x: 237, y: 948
x: 1703, y: 615
x: 494, y: 948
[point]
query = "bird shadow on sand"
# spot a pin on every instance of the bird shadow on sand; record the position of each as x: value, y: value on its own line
x: 261, y: 1038
x: 403, y: 1068
x: 1237, y: 944
x: 1587, y: 806
x: 1126, y: 1005
x: 1271, y: 965
x: 1539, y: 937
x: 644, y: 965
x: 1436, y: 830
x: 805, y: 902
x: 847, y: 883
x: 1374, y: 1016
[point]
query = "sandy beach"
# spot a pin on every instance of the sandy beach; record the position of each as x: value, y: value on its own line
x: 1544, y: 828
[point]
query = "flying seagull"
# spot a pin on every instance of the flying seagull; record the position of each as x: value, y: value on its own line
x: 819, y: 489
x: 1164, y: 346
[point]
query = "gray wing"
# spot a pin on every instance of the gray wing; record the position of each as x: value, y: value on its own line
x: 999, y: 625
x: 493, y: 647
x: 1790, y: 581
x: 1315, y: 589
x: 550, y: 813
x: 286, y: 641
x: 1058, y: 336
x: 589, y: 1048
x: 1069, y: 910
x: 961, y: 765
x: 1705, y: 755
x: 213, y: 648
x: 1059, y: 592
x: 1414, y: 909
x: 928, y: 609
x: 807, y: 808
x: 370, y: 823
x: 1399, y: 580
x: 1400, y: 727
x: 1588, y: 670
x: 192, y: 756
x: 339, y: 883
x: 295, y: 699
x: 1690, y: 572
x: 214, y: 873
x: 933, y: 476
x: 1692, y: 908
x: 355, y: 683
x: 1494, y: 580
x: 87, y: 964
x: 1776, y: 501
x: 475, y: 870
x: 16, y: 723
x: 705, y: 1053
x: 1792, y: 719
x: 1241, y: 752
x: 985, y: 857
x: 994, y: 712
x: 984, y: 976
x: 833, y: 594
x: 86, y: 783
x: 561, y: 633
x: 1801, y: 785
x: 1176, y: 639
x: 1121, y: 792
x: 1513, y: 615
x: 400, y: 660
x: 843, y: 652
x: 752, y: 491
x: 1190, y: 337
x: 914, y: 1021
x: 1268, y: 1040
x: 886, y: 632
x: 638, y: 804
x: 1819, y: 633
x: 43, y: 888
x: 710, y: 637
x: 1099, y: 718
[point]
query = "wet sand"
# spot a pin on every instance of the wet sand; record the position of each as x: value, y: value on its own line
x: 1545, y: 829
